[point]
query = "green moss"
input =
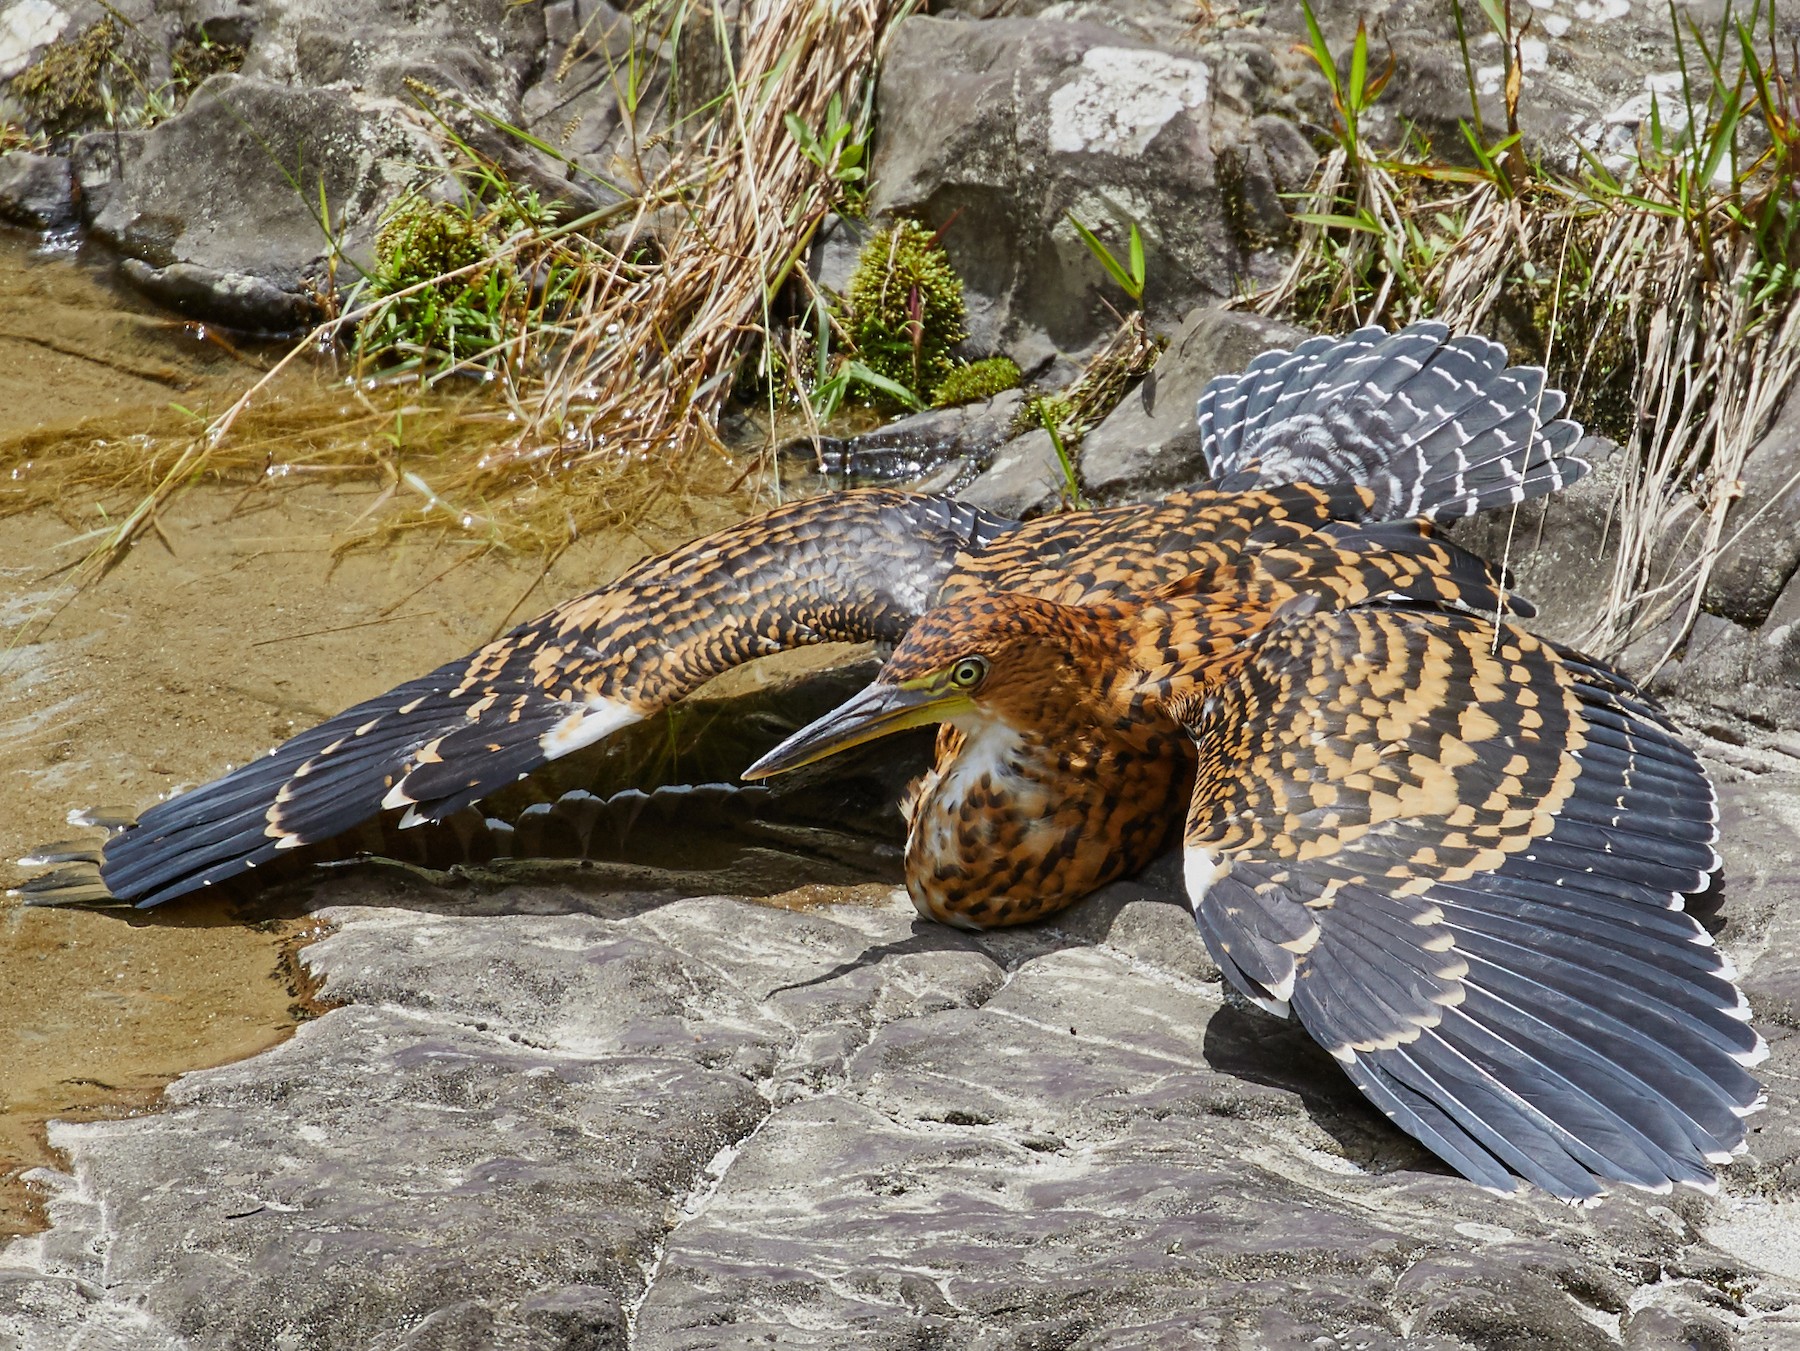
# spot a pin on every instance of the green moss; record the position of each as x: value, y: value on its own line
x: 423, y: 240
x: 906, y: 307
x: 62, y: 88
x: 193, y: 63
x: 977, y: 380
x: 421, y: 243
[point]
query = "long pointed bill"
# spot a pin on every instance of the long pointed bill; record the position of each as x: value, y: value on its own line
x: 877, y: 711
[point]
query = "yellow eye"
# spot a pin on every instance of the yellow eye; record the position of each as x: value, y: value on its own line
x: 967, y: 673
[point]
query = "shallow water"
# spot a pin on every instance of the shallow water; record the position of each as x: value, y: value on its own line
x: 231, y: 631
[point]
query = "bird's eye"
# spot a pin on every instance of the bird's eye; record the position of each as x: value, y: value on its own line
x: 968, y: 672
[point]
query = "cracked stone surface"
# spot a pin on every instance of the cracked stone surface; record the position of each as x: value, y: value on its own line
x: 555, y: 1117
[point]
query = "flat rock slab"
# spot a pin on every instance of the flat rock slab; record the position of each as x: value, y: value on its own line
x: 605, y: 1120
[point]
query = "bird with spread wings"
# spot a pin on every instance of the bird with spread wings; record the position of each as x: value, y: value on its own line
x: 1457, y: 853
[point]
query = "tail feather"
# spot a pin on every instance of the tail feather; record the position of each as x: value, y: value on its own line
x: 1434, y: 425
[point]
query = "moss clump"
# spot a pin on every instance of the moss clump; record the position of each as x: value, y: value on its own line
x: 906, y: 307
x: 62, y: 89
x: 977, y: 380
x: 194, y: 62
x: 421, y: 243
x: 423, y: 240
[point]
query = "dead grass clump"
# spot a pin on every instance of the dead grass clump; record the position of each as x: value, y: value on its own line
x: 1663, y: 292
x: 607, y: 344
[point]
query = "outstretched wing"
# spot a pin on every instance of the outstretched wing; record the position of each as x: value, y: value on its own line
x: 850, y: 567
x: 1371, y: 428
x: 1431, y: 425
x: 1459, y: 855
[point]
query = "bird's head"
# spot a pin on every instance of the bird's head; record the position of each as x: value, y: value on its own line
x: 1007, y: 657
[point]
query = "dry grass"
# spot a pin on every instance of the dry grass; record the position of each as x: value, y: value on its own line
x: 1663, y: 296
x: 669, y: 313
x: 605, y: 397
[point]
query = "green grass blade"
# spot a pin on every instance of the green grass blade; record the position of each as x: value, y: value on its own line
x: 897, y: 392
x: 1103, y: 254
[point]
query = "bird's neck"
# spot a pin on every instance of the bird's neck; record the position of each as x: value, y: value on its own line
x: 1050, y: 789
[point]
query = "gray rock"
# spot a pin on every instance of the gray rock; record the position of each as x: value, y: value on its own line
x: 484, y: 49
x: 26, y: 28
x: 1025, y: 478
x: 574, y: 103
x: 1150, y: 443
x: 232, y: 298
x: 834, y: 253
x: 1780, y: 634
x: 228, y: 191
x: 1010, y: 124
x: 281, y: 149
x: 1726, y: 671
x: 966, y: 437
x: 36, y: 190
x: 1162, y: 22
x: 1762, y: 552
x: 1588, y: 71
x: 600, y: 1119
x: 1590, y: 67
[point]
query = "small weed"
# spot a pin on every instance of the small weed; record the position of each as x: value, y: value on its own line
x: 1130, y: 274
x: 419, y: 248
x: 15, y: 137
x: 852, y: 375
x: 1128, y: 356
x: 1066, y: 414
x: 1353, y: 93
x: 1048, y: 416
x: 840, y: 148
x: 192, y: 63
x: 1662, y: 290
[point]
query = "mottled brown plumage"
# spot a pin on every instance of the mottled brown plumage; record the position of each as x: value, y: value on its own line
x: 1457, y: 853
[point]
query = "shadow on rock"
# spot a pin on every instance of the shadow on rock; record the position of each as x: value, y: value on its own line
x: 1249, y: 1044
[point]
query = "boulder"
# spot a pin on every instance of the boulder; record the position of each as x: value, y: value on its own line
x: 1024, y: 478
x: 485, y: 50
x: 1590, y: 68
x: 547, y: 1116
x: 575, y: 104
x: 26, y: 28
x: 1762, y: 533
x: 37, y: 191
x: 157, y: 196
x: 322, y: 118
x: 995, y: 132
x: 1150, y: 443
